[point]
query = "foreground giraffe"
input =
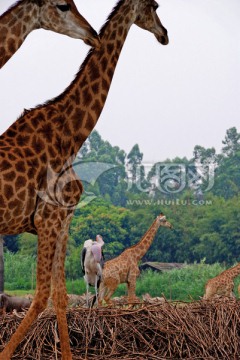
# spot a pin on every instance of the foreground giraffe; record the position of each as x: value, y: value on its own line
x: 222, y: 284
x: 38, y: 187
x: 25, y: 16
x: 124, y: 268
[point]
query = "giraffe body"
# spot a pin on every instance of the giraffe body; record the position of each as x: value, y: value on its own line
x: 38, y: 187
x: 222, y: 284
x: 27, y: 15
x: 124, y: 268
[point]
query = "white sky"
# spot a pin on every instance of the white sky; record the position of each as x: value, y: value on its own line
x: 165, y: 98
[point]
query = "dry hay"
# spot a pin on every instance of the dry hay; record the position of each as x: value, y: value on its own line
x: 199, y: 330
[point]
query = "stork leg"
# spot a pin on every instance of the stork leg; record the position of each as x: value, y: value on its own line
x: 97, y: 284
x: 87, y: 290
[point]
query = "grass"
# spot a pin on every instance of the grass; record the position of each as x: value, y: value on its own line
x: 184, y: 284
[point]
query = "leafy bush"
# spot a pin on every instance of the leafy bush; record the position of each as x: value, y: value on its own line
x: 20, y: 271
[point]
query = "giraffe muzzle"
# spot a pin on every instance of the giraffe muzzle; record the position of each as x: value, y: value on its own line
x: 93, y: 40
x: 162, y: 36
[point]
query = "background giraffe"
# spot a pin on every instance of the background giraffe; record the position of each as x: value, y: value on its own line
x: 222, y: 284
x: 38, y: 187
x: 25, y: 16
x: 124, y: 268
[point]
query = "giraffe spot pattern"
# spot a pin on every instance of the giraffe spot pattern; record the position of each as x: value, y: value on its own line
x: 96, y: 107
x: 11, y: 45
x: 5, y: 165
x: 46, y: 131
x: 8, y: 191
x: 9, y: 176
x: 87, y: 97
x: 20, y: 166
x: 20, y: 182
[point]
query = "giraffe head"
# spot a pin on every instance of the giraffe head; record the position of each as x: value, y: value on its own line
x: 62, y: 16
x: 147, y: 19
x: 163, y: 222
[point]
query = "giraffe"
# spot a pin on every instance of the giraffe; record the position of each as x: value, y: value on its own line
x: 25, y: 16
x: 39, y: 190
x: 124, y: 268
x: 222, y: 284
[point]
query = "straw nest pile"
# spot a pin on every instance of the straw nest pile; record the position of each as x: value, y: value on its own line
x: 162, y: 330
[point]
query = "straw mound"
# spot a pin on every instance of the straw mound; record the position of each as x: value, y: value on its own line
x: 199, y: 330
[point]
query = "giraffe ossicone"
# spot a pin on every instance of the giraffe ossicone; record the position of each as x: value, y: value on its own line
x: 50, y: 134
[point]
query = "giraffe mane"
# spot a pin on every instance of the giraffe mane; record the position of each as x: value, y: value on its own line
x: 135, y: 245
x: 59, y: 97
x: 110, y: 16
x: 17, y: 4
x: 10, y: 8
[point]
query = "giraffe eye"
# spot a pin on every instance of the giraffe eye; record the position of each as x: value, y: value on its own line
x: 64, y: 8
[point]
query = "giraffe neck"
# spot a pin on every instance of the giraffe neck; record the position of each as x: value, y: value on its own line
x: 15, y: 24
x: 61, y: 126
x: 140, y: 249
x: 84, y: 99
x: 234, y: 271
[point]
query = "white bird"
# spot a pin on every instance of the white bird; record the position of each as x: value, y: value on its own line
x: 92, y: 265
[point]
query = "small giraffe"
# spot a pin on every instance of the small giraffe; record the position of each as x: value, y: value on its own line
x: 25, y: 16
x: 124, y: 268
x: 222, y: 284
x: 39, y: 190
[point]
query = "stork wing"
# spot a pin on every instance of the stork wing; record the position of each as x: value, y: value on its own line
x: 83, y: 254
x: 102, y: 260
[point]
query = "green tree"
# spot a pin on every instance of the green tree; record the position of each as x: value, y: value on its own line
x: 11, y: 242
x: 205, y: 156
x: 231, y: 142
x: 100, y: 217
x: 28, y: 244
x: 134, y: 161
x: 108, y: 162
x: 227, y: 180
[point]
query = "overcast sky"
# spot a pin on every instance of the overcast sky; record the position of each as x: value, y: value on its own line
x: 167, y: 99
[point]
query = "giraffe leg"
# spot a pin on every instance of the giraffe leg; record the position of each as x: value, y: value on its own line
x: 110, y: 287
x: 101, y: 293
x: 131, y: 284
x: 59, y: 292
x: 44, y: 266
x: 108, y: 295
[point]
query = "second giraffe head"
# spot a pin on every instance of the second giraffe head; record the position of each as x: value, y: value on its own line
x: 163, y: 221
x: 147, y: 18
